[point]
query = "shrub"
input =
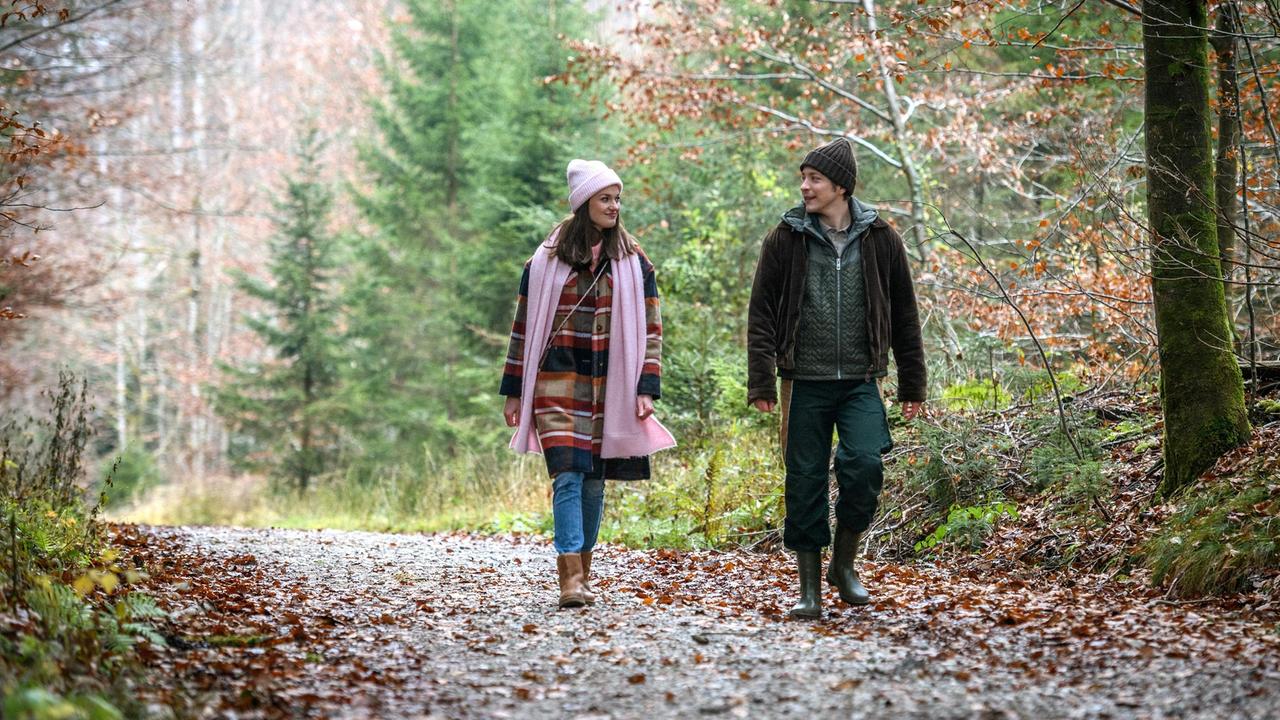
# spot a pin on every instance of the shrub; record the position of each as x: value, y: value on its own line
x: 968, y: 527
x: 1054, y: 465
x: 70, y: 659
x: 960, y: 463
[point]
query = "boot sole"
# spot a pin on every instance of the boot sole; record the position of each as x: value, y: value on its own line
x: 805, y: 615
x: 573, y: 603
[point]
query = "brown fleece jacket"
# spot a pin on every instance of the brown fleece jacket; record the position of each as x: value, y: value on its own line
x: 774, y: 313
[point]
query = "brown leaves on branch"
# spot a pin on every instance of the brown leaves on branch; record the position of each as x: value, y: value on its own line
x: 24, y: 10
x: 30, y: 147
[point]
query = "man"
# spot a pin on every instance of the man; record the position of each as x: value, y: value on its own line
x: 832, y: 294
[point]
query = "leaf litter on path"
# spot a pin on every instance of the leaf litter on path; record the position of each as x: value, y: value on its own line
x: 284, y: 623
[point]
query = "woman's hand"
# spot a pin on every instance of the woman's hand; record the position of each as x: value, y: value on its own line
x: 511, y: 411
x: 644, y: 406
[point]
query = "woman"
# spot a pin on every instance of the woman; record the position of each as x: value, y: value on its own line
x: 584, y: 366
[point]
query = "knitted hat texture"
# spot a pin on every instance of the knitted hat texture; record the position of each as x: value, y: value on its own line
x: 835, y: 160
x: 586, y: 178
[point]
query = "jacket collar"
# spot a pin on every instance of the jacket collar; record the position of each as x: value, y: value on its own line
x: 863, y: 216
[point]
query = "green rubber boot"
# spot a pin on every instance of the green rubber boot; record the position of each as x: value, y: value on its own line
x: 843, y: 572
x: 810, y: 566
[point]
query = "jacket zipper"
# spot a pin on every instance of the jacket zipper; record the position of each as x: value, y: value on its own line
x: 872, y: 355
x: 839, y: 282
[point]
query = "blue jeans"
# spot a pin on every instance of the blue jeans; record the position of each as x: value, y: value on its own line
x: 576, y: 506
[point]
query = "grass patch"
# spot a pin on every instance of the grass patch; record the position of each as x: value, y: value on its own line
x: 235, y: 641
x: 468, y: 491
x: 1225, y: 538
x: 975, y: 394
x: 713, y: 491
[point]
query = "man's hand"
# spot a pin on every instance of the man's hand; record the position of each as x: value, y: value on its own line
x: 644, y: 406
x: 764, y: 406
x: 911, y: 408
x: 511, y: 411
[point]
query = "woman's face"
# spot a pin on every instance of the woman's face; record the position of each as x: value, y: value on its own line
x: 604, y: 206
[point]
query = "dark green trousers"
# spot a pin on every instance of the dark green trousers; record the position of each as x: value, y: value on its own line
x: 811, y: 410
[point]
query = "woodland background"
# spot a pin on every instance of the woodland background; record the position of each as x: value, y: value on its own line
x: 284, y: 262
x: 258, y: 263
x: 279, y: 243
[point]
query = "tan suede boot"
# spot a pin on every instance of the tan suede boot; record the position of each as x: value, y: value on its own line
x: 587, y: 591
x: 569, y: 567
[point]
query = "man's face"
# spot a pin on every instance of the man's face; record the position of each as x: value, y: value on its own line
x: 819, y: 193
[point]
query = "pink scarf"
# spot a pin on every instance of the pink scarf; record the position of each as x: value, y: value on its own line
x: 625, y: 435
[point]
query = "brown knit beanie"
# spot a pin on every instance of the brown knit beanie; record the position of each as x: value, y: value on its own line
x: 835, y: 160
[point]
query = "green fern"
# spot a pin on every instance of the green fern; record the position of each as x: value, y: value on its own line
x: 59, y: 608
x: 131, y: 613
x: 137, y: 606
x: 116, y: 643
x: 146, y: 631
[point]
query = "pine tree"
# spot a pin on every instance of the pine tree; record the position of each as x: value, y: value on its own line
x: 281, y: 411
x: 466, y: 174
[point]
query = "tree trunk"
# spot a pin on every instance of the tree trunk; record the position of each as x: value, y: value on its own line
x: 196, y: 318
x: 915, y: 184
x: 1201, y: 389
x: 122, y: 407
x: 1227, y: 176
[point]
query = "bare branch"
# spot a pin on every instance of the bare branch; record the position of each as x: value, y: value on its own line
x: 1125, y: 7
x: 69, y: 21
x: 1044, y: 358
x: 1058, y: 24
x: 827, y: 132
x: 1262, y: 96
x: 792, y: 62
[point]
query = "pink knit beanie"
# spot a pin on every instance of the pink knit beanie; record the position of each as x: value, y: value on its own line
x: 586, y: 178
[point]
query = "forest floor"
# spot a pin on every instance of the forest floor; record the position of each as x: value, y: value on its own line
x: 282, y: 623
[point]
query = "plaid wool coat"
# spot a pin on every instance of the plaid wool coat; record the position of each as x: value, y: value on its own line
x: 568, y: 402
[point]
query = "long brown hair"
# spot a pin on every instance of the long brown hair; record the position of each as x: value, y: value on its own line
x: 576, y: 234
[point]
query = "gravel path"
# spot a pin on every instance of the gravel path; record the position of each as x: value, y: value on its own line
x: 280, y: 623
